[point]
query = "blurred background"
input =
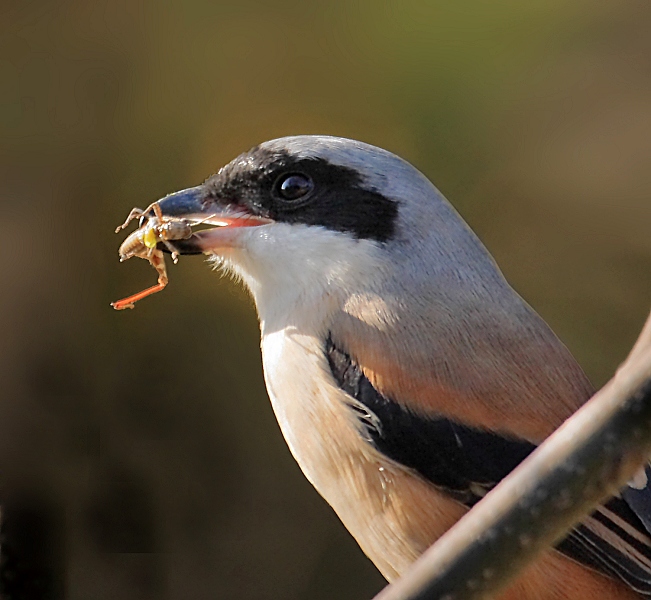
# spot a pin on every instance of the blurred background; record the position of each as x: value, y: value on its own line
x: 139, y: 456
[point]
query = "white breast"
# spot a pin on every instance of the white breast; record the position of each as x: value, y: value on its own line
x: 306, y: 405
x: 393, y: 514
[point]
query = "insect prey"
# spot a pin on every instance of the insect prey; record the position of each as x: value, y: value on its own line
x: 143, y: 243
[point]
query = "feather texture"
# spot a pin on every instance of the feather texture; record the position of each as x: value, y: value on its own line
x: 465, y: 463
x: 445, y: 378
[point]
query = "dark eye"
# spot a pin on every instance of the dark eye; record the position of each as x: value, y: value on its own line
x: 294, y: 186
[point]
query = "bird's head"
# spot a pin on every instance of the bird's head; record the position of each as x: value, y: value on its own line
x: 316, y: 217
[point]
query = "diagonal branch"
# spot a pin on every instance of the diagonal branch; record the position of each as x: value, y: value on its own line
x: 588, y: 459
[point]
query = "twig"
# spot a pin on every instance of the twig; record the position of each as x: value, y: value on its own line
x: 589, y: 458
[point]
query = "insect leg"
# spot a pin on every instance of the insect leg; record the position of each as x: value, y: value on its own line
x: 173, y: 251
x: 134, y: 214
x: 157, y: 260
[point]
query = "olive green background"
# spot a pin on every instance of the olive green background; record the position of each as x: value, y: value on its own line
x: 139, y: 447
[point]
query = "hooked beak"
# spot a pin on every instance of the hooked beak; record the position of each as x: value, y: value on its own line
x: 194, y: 206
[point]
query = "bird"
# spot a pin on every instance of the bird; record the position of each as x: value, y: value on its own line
x: 406, y: 374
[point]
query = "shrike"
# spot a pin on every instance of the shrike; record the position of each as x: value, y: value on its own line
x: 407, y: 376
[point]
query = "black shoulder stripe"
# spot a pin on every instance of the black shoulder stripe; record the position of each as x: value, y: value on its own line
x: 466, y: 462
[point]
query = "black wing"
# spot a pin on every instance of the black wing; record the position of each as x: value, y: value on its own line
x: 466, y: 462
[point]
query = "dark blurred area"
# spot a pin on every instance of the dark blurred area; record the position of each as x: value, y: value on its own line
x: 139, y: 456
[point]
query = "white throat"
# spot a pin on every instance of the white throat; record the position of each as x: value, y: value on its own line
x: 296, y: 300
x: 302, y: 294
